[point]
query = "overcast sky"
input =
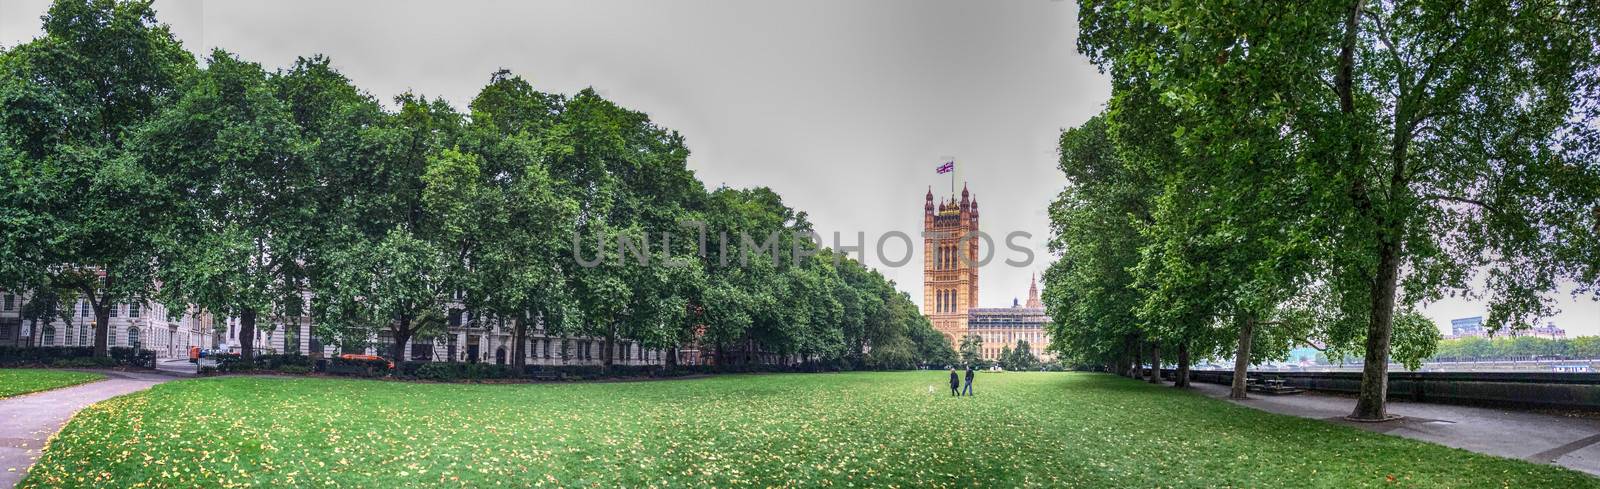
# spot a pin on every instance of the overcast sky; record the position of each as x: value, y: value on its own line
x: 842, y: 107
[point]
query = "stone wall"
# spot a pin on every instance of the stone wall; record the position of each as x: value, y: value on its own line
x: 1529, y: 389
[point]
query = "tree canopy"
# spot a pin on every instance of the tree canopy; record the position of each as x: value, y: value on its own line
x: 131, y: 171
x: 1323, y: 168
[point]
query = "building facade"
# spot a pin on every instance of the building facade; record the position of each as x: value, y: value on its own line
x: 949, y: 262
x: 1466, y: 327
x: 1472, y: 327
x: 950, y: 283
x: 1001, y: 327
x: 170, y: 334
x: 143, y: 324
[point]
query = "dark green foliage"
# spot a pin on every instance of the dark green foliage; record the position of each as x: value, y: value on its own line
x: 75, y: 357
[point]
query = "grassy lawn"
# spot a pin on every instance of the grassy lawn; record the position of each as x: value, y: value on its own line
x: 878, y: 429
x: 19, y: 381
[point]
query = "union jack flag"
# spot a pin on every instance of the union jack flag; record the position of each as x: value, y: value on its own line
x: 947, y: 167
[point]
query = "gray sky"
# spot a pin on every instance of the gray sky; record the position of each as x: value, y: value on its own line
x: 842, y: 107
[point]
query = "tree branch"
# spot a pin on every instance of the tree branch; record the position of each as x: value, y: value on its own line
x: 1450, y: 198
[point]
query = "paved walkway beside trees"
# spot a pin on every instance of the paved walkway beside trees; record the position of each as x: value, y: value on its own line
x: 27, y: 421
x: 1568, y: 440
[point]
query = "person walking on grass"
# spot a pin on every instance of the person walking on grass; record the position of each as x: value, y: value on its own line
x: 968, y: 390
x: 955, y: 383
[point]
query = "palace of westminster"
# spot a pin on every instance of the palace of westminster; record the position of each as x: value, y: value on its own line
x: 950, y: 292
x: 950, y: 284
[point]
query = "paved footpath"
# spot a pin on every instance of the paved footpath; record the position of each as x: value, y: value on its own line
x: 27, y: 421
x: 1540, y: 437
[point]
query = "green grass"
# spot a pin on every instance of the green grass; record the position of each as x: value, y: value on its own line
x: 19, y: 381
x: 860, y: 429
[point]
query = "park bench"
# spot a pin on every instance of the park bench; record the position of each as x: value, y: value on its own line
x: 1270, y: 385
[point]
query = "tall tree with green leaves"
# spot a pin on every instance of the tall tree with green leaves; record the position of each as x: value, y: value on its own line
x: 71, y: 198
x: 343, y: 132
x: 523, y: 225
x: 630, y: 181
x: 971, y: 346
x: 229, y: 155
x: 1096, y: 231
x: 1442, y: 142
x: 396, y: 259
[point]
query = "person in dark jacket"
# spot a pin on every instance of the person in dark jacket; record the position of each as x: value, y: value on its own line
x: 955, y: 383
x: 968, y: 390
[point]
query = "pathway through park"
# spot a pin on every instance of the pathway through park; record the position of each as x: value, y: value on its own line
x: 28, y: 420
x: 1571, y: 440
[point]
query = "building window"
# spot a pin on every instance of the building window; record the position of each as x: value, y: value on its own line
x: 49, y: 336
x: 422, y: 350
x: 133, y: 338
x: 133, y: 310
x: 86, y: 310
x: 10, y: 302
x: 83, y: 335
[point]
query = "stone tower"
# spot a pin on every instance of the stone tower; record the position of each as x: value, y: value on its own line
x: 949, y: 282
x: 1033, y: 293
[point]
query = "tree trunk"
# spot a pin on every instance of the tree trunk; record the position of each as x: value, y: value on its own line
x: 1241, y: 358
x: 1155, y: 363
x: 519, y: 351
x: 1375, y: 367
x: 102, y: 329
x: 1122, y: 361
x: 101, y: 303
x: 247, y: 334
x: 402, y: 336
x: 1137, y: 371
x: 1181, y: 380
x: 610, y: 353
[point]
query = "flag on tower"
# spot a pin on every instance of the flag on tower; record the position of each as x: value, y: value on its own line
x: 947, y: 167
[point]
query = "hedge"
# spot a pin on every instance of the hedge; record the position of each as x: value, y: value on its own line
x: 75, y: 357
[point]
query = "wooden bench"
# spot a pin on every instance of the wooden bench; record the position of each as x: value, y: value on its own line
x: 1270, y: 385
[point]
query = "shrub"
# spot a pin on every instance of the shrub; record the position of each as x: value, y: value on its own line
x: 84, y: 362
x: 438, y: 372
x: 74, y: 357
x: 355, y: 367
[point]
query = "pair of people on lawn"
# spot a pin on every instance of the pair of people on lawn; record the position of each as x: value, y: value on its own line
x: 955, y: 383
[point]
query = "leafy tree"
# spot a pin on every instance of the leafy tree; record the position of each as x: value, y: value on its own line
x: 1095, y: 223
x: 397, y: 257
x: 1427, y: 156
x: 70, y: 197
x: 1019, y: 358
x: 521, y: 219
x: 229, y: 155
x: 343, y: 132
x: 970, y: 346
x: 632, y: 181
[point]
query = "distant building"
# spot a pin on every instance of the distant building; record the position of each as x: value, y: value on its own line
x: 1548, y: 331
x: 1465, y: 327
x: 1472, y: 327
x: 949, y: 263
x: 139, y: 324
x: 170, y: 333
x: 1001, y: 327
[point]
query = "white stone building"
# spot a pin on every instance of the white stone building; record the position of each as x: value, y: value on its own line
x: 150, y: 326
